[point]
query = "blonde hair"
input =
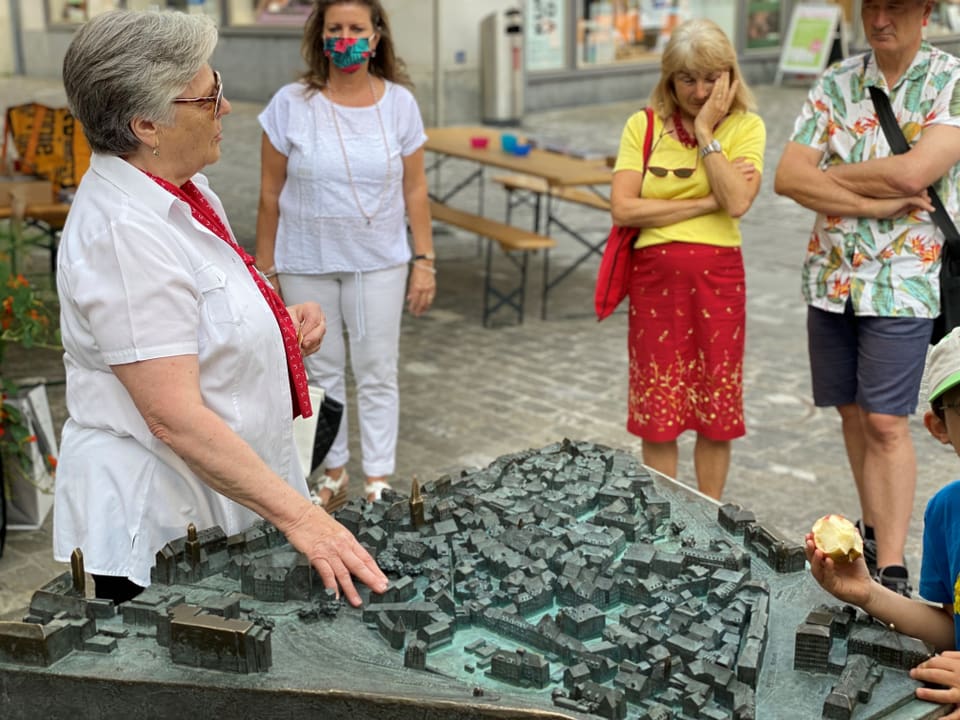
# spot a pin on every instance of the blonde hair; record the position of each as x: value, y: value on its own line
x: 698, y: 46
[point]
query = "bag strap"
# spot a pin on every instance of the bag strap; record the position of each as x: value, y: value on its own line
x: 898, y: 143
x: 648, y: 138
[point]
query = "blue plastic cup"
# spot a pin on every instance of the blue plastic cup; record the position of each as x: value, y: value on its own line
x: 508, y: 142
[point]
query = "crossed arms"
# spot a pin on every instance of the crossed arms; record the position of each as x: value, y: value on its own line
x: 880, y: 188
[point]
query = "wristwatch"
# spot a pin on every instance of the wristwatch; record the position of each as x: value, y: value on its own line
x: 425, y: 256
x: 711, y: 147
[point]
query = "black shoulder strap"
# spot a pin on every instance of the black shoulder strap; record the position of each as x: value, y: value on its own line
x: 898, y: 143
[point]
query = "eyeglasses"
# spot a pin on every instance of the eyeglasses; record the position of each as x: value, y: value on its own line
x: 216, y: 98
x: 943, y: 407
x: 661, y: 172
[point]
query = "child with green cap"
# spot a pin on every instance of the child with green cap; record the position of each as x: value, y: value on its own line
x: 935, y: 618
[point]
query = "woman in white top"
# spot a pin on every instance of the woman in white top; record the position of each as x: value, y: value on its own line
x: 342, y: 170
x: 184, y: 369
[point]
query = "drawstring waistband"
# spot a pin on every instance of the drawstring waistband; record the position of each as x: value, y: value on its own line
x: 358, y: 288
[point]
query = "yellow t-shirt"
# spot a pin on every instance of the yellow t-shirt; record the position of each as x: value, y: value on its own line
x: 741, y: 134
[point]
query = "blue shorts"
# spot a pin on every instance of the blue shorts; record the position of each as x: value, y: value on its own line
x: 875, y: 362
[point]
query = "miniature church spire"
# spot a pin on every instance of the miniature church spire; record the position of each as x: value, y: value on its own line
x: 77, y: 572
x: 193, y: 546
x: 416, y: 504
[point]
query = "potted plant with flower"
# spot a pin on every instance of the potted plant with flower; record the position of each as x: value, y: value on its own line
x: 27, y: 322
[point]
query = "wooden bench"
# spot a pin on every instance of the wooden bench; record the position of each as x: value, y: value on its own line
x: 49, y: 218
x: 510, y: 239
x: 528, y: 190
x: 538, y: 186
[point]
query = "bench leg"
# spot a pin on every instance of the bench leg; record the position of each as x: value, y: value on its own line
x: 546, y: 284
x: 494, y: 298
x: 523, y: 287
x: 52, y: 239
x: 590, y: 249
x: 488, y: 285
x: 524, y: 197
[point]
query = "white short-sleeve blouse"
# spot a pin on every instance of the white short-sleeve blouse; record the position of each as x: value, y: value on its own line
x: 321, y: 228
x: 138, y: 279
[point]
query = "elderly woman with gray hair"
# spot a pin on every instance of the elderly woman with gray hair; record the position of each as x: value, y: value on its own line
x: 184, y: 368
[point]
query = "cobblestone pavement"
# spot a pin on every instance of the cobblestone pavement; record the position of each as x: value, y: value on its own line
x: 470, y: 394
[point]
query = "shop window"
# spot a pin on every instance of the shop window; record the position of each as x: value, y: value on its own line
x: 207, y: 7
x: 944, y: 20
x: 615, y: 31
x: 545, y: 32
x: 74, y: 12
x: 764, y: 24
x: 292, y: 13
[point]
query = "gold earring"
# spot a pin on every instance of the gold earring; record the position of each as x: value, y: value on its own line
x: 156, y: 150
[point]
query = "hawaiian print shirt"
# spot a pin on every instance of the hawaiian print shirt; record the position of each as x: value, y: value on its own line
x: 887, y: 268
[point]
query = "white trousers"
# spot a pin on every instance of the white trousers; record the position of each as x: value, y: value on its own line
x: 365, y: 308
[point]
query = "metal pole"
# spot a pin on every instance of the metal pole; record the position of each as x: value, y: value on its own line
x: 439, y: 110
x: 15, y: 36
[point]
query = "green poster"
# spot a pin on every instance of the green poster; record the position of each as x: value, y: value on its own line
x: 811, y: 34
x: 763, y: 24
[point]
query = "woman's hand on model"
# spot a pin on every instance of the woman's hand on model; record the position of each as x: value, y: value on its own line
x: 423, y: 287
x: 311, y: 326
x: 335, y: 554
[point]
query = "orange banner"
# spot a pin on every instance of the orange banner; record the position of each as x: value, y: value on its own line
x: 48, y: 141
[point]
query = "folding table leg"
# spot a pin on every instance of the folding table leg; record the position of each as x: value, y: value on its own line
x: 546, y: 283
x: 523, y: 286
x: 487, y: 284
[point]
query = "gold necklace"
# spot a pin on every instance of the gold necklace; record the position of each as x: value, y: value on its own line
x: 346, y: 162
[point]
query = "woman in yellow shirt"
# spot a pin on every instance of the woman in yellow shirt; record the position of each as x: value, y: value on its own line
x: 687, y: 288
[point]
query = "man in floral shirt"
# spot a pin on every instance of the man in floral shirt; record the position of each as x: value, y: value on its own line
x: 870, y: 278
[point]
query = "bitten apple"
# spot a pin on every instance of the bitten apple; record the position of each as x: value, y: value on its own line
x: 838, y: 537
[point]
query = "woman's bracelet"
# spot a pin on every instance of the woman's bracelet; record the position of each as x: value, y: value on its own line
x: 424, y: 266
x: 270, y: 272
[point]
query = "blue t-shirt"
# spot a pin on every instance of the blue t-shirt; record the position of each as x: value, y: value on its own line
x: 940, y: 571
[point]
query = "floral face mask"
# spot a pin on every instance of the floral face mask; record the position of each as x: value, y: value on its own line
x: 348, y: 54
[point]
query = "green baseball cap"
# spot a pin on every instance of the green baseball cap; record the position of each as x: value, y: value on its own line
x: 943, y: 365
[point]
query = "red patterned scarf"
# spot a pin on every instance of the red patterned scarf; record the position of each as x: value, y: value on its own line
x: 207, y: 216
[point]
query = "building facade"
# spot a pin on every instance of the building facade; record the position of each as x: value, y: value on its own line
x: 573, y: 52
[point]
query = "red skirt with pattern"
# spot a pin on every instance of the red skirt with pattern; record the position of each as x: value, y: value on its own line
x: 687, y: 327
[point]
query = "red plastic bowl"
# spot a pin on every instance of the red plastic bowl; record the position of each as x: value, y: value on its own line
x: 479, y: 142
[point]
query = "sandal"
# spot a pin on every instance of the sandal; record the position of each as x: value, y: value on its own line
x: 337, y: 489
x: 374, y: 490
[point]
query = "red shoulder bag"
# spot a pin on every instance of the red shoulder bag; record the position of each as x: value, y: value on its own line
x: 613, y: 278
